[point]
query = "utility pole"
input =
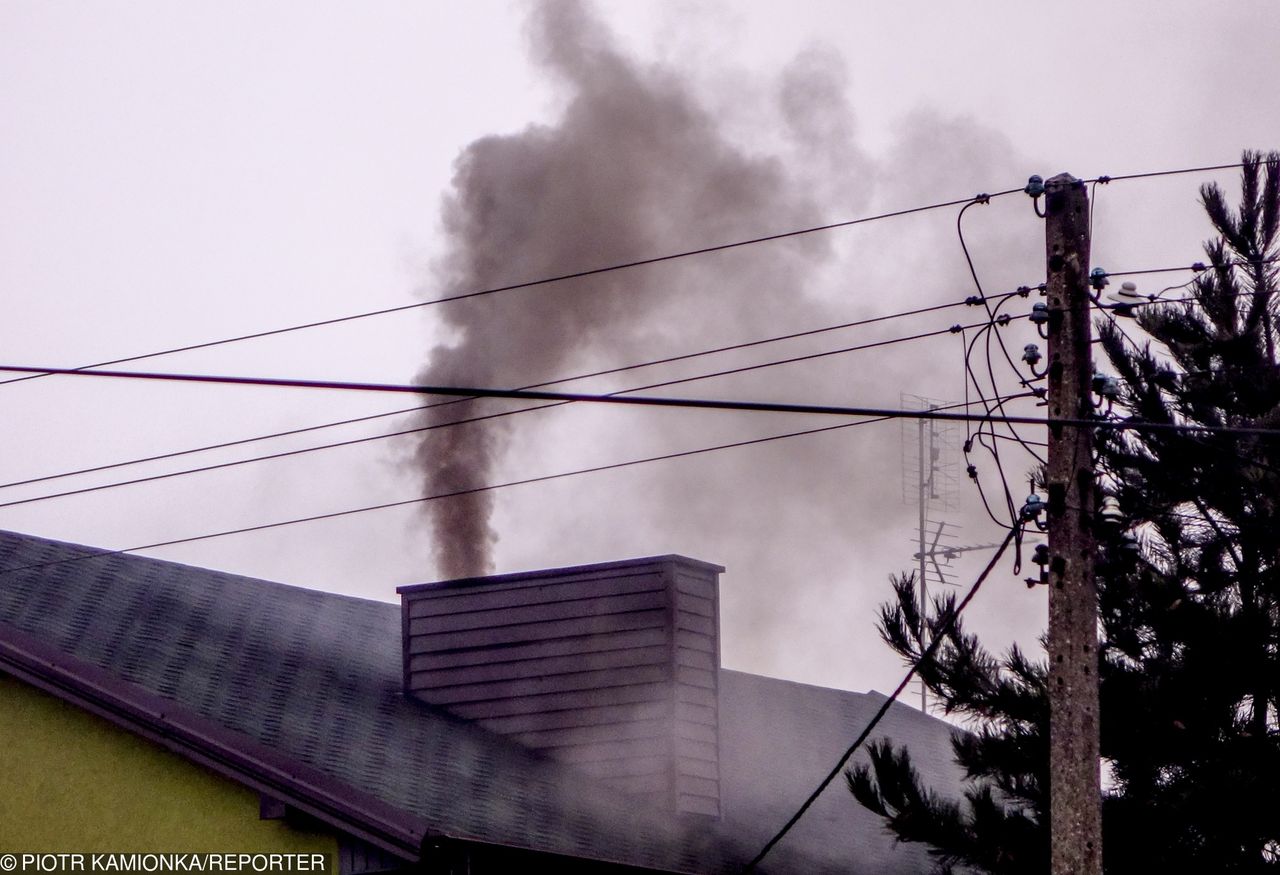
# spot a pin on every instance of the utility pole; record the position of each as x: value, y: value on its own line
x: 1075, y: 789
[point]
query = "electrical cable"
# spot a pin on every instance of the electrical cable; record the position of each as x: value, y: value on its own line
x: 1002, y: 437
x: 990, y: 409
x: 1110, y: 311
x: 454, y: 493
x: 982, y: 198
x: 964, y: 357
x: 985, y: 504
x: 994, y: 450
x: 1115, y: 323
x: 643, y: 400
x: 1155, y: 297
x: 947, y: 625
x: 967, y: 203
x: 992, y: 328
x: 469, y: 420
x: 978, y: 432
x: 400, y: 411
x: 1198, y: 266
x: 986, y: 327
x: 999, y: 406
x: 579, y: 274
x: 1154, y: 173
x: 978, y: 283
x: 972, y: 470
x: 966, y: 348
x: 1236, y: 455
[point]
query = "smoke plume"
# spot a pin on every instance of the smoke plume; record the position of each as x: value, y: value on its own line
x: 635, y: 166
x: 644, y: 159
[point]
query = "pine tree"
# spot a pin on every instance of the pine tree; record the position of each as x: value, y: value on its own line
x: 1190, y: 656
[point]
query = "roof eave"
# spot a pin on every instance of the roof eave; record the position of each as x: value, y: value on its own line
x: 230, y: 754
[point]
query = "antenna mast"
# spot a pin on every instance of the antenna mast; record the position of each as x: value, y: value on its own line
x: 933, y: 490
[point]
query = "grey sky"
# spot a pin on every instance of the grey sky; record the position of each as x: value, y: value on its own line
x: 174, y: 173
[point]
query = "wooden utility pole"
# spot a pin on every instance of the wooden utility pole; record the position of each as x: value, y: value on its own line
x: 1075, y: 790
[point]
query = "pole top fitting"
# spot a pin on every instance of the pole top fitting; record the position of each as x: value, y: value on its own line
x: 1062, y: 181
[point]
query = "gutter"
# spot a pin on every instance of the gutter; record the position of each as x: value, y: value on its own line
x: 242, y: 759
x: 233, y: 755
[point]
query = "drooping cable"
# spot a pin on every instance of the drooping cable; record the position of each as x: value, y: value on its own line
x: 465, y: 421
x: 401, y: 411
x: 992, y: 446
x: 510, y: 287
x: 947, y: 624
x: 460, y: 492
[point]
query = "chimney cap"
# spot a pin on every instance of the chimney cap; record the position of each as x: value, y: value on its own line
x: 667, y: 559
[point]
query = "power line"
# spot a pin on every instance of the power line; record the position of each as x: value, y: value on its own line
x: 453, y: 494
x: 466, y: 421
x: 947, y: 625
x: 219, y: 446
x: 580, y: 274
x: 1154, y: 173
x: 642, y: 400
x: 1198, y: 266
x: 977, y: 199
x: 600, y: 373
x: 510, y: 287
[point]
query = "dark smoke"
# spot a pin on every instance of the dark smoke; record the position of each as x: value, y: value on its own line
x: 646, y: 159
x: 635, y: 166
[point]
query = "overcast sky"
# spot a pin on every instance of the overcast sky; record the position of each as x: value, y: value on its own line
x: 174, y: 173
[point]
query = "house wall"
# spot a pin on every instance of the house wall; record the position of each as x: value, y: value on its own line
x: 73, y: 782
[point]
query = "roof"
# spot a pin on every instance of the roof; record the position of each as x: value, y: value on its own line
x: 306, y: 686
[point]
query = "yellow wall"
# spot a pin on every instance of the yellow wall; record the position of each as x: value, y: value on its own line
x: 72, y: 782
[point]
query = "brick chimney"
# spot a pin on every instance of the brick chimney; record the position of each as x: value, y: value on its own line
x: 613, y: 668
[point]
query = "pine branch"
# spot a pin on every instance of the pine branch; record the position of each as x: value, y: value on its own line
x: 1190, y: 628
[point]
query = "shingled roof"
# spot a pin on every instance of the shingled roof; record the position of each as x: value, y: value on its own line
x: 310, y: 684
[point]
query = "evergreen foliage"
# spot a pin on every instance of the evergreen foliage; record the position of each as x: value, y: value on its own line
x: 1190, y: 656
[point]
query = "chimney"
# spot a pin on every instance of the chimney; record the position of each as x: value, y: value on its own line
x: 613, y: 668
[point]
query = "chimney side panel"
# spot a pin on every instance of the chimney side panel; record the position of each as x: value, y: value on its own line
x: 611, y: 668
